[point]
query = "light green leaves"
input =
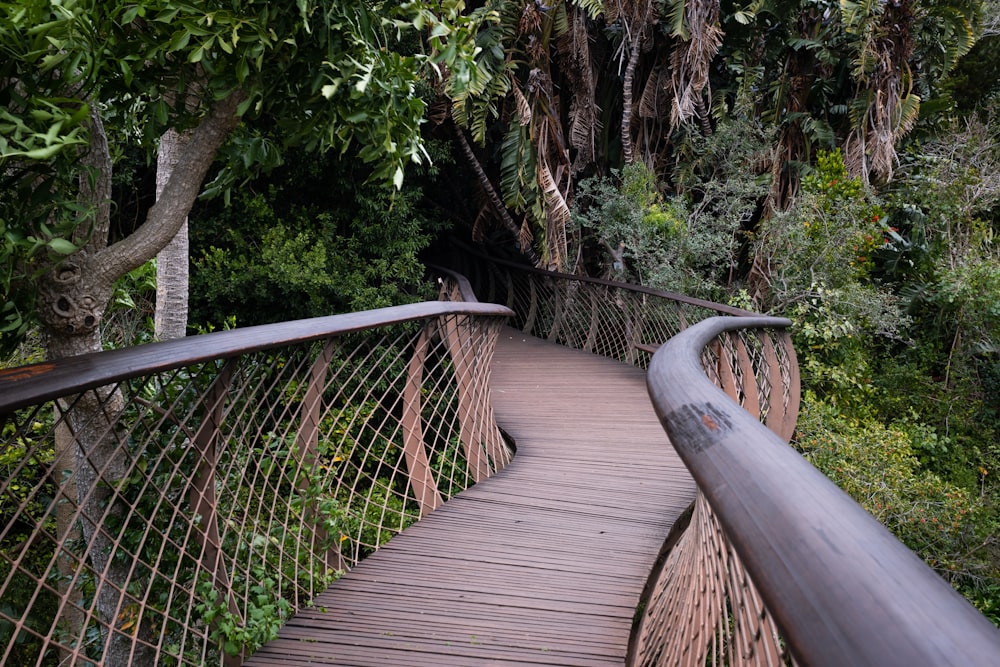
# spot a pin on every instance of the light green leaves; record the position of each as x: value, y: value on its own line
x: 48, y: 127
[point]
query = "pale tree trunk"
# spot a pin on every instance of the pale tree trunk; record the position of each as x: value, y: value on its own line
x: 72, y: 299
x: 627, y: 96
x: 170, y: 320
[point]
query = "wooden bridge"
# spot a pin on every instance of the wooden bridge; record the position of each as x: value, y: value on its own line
x: 178, y: 503
x: 543, y: 563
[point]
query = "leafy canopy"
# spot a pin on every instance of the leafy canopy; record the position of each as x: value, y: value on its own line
x: 326, y: 75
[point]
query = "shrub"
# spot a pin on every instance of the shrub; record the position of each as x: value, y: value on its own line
x: 950, y: 527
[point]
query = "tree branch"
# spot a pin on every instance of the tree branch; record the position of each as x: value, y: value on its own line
x: 167, y: 216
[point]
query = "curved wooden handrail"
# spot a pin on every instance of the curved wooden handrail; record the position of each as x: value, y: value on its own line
x: 841, y: 588
x: 156, y: 501
x: 612, y: 319
x: 641, y: 289
x: 462, y: 285
x: 28, y: 385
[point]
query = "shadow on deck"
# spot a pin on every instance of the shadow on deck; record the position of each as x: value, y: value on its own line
x: 542, y: 564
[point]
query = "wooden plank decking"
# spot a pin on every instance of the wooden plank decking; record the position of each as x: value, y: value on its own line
x: 543, y: 563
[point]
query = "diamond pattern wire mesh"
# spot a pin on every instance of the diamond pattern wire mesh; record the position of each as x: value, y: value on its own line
x: 178, y: 516
x: 610, y: 319
x: 704, y: 610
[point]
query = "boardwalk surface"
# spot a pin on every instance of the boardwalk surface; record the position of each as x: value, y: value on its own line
x: 543, y: 563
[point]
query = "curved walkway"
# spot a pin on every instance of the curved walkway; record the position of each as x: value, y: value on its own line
x: 542, y: 564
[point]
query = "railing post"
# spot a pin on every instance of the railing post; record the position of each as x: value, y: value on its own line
x: 307, y: 440
x: 789, y: 384
x: 202, y: 496
x: 724, y: 370
x: 559, y: 307
x: 529, y: 320
x: 594, y: 322
x: 457, y: 335
x: 636, y: 326
x: 425, y: 489
x: 747, y: 381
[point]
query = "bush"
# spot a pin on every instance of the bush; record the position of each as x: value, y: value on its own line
x: 817, y: 258
x: 311, y: 239
x: 950, y: 527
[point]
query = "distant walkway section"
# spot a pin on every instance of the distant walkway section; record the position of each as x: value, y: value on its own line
x: 542, y: 564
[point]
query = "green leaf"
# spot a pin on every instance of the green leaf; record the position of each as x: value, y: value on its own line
x: 179, y: 40
x: 132, y: 12
x: 43, y: 153
x: 62, y: 246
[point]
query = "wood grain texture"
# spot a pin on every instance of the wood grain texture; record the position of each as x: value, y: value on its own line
x: 542, y: 564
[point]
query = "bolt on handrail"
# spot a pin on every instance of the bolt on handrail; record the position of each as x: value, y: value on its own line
x: 813, y: 564
x: 172, y: 503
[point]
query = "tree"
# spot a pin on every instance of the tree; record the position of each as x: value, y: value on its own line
x: 172, y: 273
x: 568, y: 90
x: 328, y: 74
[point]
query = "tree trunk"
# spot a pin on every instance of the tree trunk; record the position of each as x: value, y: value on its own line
x: 628, y: 99
x: 73, y: 296
x: 170, y: 320
x: 494, y: 198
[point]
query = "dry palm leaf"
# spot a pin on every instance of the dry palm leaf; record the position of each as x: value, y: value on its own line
x: 523, y: 106
x: 699, y: 38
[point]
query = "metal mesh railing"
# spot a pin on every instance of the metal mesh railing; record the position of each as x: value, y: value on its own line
x: 703, y: 609
x: 172, y: 504
x: 616, y: 320
x: 701, y: 606
x: 778, y: 565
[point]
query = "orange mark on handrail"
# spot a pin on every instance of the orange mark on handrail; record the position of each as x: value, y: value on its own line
x: 25, y: 373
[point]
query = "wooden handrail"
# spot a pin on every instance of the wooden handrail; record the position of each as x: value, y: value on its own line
x: 465, y: 291
x: 28, y: 385
x: 641, y: 289
x: 841, y: 588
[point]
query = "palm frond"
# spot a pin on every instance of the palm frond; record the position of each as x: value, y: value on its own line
x: 525, y: 237
x: 593, y: 8
x: 560, y: 21
x: 523, y: 107
x: 676, y: 13
x: 654, y: 101
x: 517, y: 167
x: 907, y: 111
x: 557, y: 217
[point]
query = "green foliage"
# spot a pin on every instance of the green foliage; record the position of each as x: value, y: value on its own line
x: 639, y: 230
x: 844, y: 217
x: 976, y: 79
x: 25, y: 465
x: 950, y: 527
x: 688, y: 242
x: 820, y: 254
x: 129, y: 318
x: 321, y: 75
x: 34, y: 225
x: 649, y: 239
x: 314, y: 237
x: 266, y: 612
